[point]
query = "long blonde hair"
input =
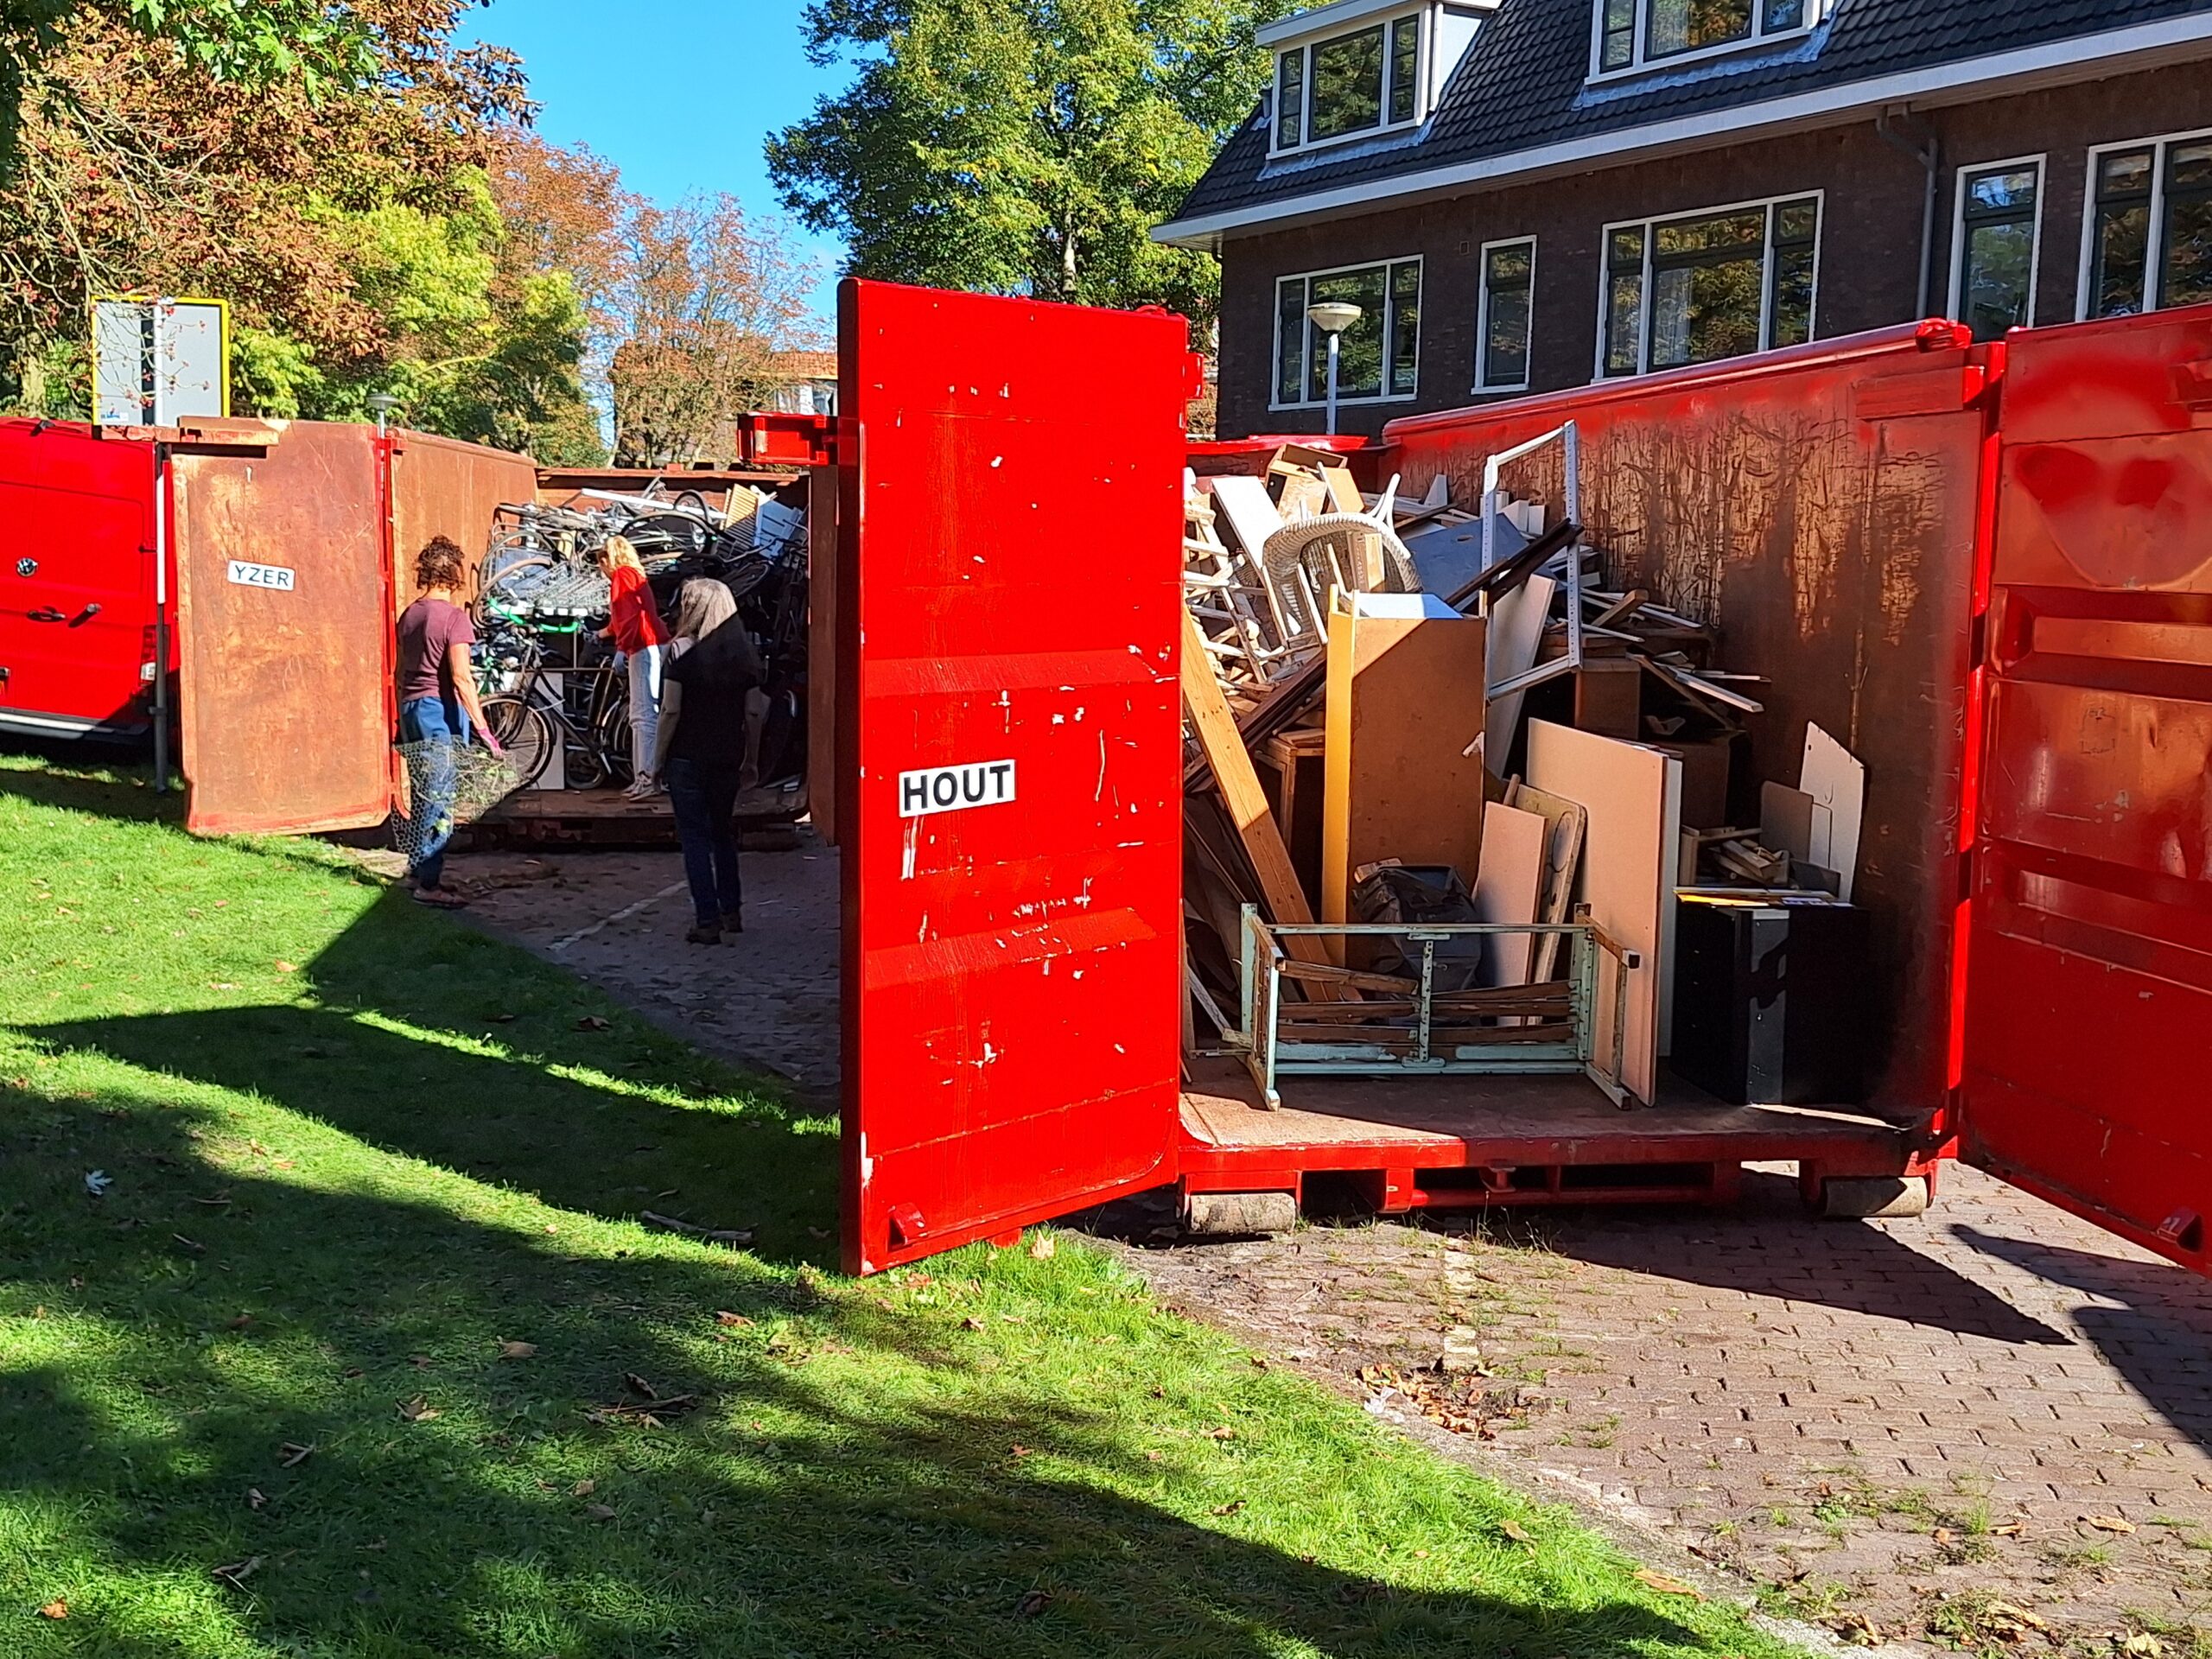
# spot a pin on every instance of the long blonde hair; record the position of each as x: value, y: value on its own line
x: 616, y: 553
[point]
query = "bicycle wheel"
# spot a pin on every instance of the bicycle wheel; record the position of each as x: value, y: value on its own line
x: 611, y: 737
x: 526, y: 734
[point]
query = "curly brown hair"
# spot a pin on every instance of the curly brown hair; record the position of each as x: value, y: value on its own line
x: 441, y: 564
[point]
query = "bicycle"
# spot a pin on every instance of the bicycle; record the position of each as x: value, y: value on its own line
x: 537, y: 711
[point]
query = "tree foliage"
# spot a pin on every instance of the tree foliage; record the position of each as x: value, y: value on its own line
x: 1022, y: 146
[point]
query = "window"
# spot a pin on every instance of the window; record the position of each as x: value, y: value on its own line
x: 2148, y: 234
x: 1708, y: 285
x: 1634, y: 34
x: 1365, y: 81
x: 1377, y: 358
x: 1502, y: 331
x: 1999, y: 239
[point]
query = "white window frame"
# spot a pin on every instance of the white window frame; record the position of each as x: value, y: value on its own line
x: 1424, y: 14
x: 1481, y: 387
x: 1816, y: 12
x: 1818, y: 197
x: 2158, y: 147
x: 1966, y: 170
x: 1343, y: 400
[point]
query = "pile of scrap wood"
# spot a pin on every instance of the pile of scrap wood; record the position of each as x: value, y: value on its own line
x: 1390, y: 680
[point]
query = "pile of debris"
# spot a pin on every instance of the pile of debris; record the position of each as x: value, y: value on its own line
x: 1416, y: 711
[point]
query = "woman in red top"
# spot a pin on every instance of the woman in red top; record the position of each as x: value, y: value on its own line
x: 641, y: 641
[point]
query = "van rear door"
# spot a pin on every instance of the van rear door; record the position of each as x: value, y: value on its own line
x: 1010, y: 808
x: 2088, y: 1030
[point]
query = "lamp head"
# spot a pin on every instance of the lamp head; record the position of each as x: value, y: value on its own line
x: 1333, y: 316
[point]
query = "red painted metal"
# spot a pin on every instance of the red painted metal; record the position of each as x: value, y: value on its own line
x: 2089, y: 1007
x: 784, y: 439
x: 1009, y: 592
x: 77, y: 589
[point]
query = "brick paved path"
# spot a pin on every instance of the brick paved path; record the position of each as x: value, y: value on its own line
x: 1898, y: 1422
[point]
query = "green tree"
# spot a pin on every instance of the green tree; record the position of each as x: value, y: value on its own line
x: 1023, y: 146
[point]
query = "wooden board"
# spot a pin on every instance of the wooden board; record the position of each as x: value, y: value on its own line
x: 1631, y: 854
x: 1836, y: 780
x: 1565, y: 823
x: 1509, y: 889
x: 1241, y: 794
x: 1406, y: 698
x: 1517, y: 631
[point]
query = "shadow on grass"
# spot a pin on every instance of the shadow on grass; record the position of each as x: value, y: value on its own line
x: 820, y: 1499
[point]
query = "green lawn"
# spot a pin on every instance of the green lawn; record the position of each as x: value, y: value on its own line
x: 361, y: 1317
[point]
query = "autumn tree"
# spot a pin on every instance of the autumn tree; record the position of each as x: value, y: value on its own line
x: 1022, y: 146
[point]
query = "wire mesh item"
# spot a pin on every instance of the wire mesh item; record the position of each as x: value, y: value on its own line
x: 449, y: 784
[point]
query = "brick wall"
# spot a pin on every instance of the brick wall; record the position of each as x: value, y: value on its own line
x: 1870, y: 235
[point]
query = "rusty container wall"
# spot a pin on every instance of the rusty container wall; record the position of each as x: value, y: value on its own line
x: 1819, y: 508
x: 285, y: 680
x: 440, y: 486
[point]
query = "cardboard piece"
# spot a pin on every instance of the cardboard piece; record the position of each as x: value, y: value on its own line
x: 1705, y: 778
x: 1509, y: 889
x: 1632, y: 857
x: 1836, y: 780
x: 1406, y: 694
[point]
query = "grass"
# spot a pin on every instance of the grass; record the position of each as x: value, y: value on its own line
x: 361, y: 1316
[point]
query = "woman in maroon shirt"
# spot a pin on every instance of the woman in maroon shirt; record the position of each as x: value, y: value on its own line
x: 641, y: 642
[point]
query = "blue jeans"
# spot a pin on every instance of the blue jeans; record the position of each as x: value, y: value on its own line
x: 704, y: 798
x: 441, y: 726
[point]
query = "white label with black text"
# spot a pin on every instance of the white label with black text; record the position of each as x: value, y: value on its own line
x: 248, y: 574
x: 948, y: 789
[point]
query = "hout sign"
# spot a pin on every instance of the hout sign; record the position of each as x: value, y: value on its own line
x: 948, y: 789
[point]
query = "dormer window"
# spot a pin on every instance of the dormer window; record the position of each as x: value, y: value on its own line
x: 1636, y: 35
x: 1359, y: 67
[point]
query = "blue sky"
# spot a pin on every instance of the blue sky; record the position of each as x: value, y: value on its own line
x: 677, y: 94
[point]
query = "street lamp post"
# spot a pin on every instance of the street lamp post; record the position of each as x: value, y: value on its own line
x: 383, y: 403
x: 1332, y: 317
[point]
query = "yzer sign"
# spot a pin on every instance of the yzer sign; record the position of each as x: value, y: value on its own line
x: 947, y: 789
x: 246, y: 574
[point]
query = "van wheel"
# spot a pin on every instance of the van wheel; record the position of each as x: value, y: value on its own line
x: 1875, y: 1198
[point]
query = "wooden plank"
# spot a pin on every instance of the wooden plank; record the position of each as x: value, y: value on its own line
x: 1406, y: 697
x: 1609, y: 699
x: 1247, y: 804
x: 1630, y: 852
x: 1565, y: 821
x: 1509, y: 889
x: 1517, y: 631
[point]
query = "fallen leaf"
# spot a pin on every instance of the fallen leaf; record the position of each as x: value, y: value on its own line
x: 599, y: 1512
x: 1225, y: 1433
x: 417, y: 1410
x: 288, y: 967
x: 2109, y: 1523
x: 1035, y: 1602
x: 918, y: 1280
x: 971, y: 1323
x: 500, y: 1019
x: 517, y: 1349
x: 592, y: 1022
x: 1856, y: 1627
x: 583, y: 1488
x: 1042, y: 1247
x: 191, y: 1244
x: 2004, y: 1613
x: 1944, y: 1536
x: 2143, y: 1645
x: 238, y: 1571
x: 1515, y: 1531
x: 1420, y: 1555
x: 1021, y: 1452
x: 1154, y: 1457
x: 1230, y: 1508
x: 97, y: 1181
x: 240, y: 1323
x: 731, y: 1318
x: 2009, y: 1530
x: 290, y: 1455
x: 1666, y: 1585
x: 56, y: 1609
x: 254, y: 1500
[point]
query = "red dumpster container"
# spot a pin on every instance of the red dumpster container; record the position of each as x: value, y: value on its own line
x: 2006, y: 618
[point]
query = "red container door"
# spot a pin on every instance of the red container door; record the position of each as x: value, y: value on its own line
x: 2088, y: 1047
x: 1009, y: 604
x: 77, y: 583
x: 284, y: 633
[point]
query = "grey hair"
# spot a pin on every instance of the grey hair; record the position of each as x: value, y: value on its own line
x: 703, y: 606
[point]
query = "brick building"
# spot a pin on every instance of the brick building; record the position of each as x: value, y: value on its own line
x: 1526, y: 194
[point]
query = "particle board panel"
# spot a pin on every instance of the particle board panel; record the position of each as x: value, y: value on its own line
x: 1406, y: 699
x: 1836, y: 780
x: 1630, y: 856
x: 1509, y: 889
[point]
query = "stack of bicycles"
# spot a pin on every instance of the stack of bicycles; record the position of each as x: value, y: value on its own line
x: 552, y: 692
